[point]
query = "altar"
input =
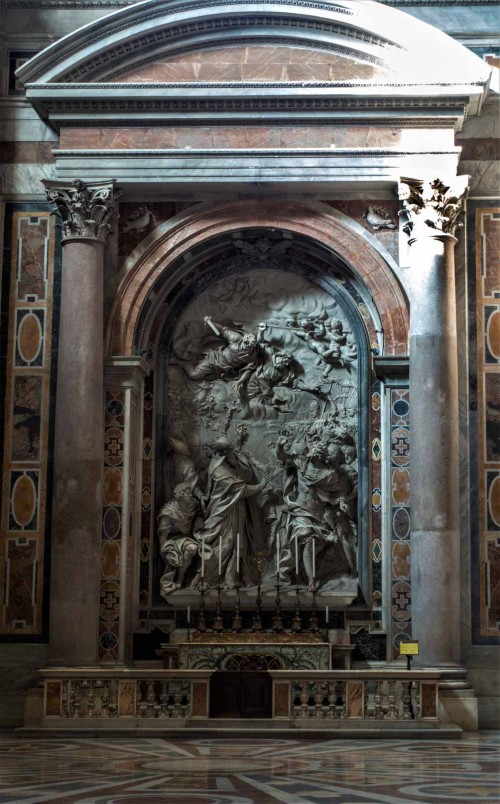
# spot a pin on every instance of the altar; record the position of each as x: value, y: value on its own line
x: 254, y: 652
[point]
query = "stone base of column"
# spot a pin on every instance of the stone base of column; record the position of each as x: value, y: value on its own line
x: 436, y: 608
x: 458, y: 703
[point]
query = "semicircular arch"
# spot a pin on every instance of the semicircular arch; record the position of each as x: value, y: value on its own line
x: 137, y: 298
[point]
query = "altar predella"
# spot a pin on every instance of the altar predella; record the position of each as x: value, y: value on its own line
x: 261, y: 453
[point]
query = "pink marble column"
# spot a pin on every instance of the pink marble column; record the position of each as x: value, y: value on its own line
x: 433, y: 211
x: 85, y: 211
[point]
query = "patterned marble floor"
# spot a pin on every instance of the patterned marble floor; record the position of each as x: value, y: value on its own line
x: 246, y: 771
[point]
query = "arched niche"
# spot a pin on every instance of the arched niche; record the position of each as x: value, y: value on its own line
x: 202, y: 262
x: 292, y: 409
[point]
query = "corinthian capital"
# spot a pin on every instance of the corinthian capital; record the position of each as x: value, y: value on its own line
x: 432, y: 207
x: 84, y: 209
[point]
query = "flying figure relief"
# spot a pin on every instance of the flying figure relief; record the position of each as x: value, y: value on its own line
x: 261, y: 413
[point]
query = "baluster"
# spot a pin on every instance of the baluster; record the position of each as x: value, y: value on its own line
x: 105, y: 699
x: 379, y: 714
x: 66, y: 698
x: 164, y: 699
x: 143, y: 704
x: 304, y: 699
x: 90, y: 699
x: 150, y: 700
x: 332, y: 699
x: 76, y: 702
x: 318, y: 699
x: 176, y: 712
x: 392, y: 713
x: 406, y: 698
x: 343, y: 700
x: 295, y: 701
x: 113, y: 698
x: 185, y: 699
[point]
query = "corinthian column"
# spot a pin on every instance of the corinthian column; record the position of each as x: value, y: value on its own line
x: 432, y: 210
x: 85, y: 211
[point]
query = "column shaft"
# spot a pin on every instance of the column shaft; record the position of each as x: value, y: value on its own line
x: 75, y: 547
x: 435, y: 562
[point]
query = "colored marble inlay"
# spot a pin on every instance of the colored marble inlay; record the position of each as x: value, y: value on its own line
x: 400, y: 594
x: 355, y: 702
x: 111, y: 539
x: 199, y: 703
x: 281, y: 704
x: 250, y: 770
x: 27, y: 419
x: 488, y: 417
x: 146, y: 552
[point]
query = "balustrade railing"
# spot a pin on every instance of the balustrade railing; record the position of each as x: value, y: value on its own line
x: 383, y: 695
x: 303, y: 698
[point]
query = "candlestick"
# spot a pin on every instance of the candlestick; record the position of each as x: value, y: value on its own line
x: 313, y: 622
x: 238, y: 553
x: 297, y: 621
x: 297, y: 556
x: 220, y: 556
x: 237, y: 624
x: 326, y: 615
x: 201, y: 616
x: 277, y: 556
x: 277, y: 619
x: 218, y: 625
x: 189, y: 614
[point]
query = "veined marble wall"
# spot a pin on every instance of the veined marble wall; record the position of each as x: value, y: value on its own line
x: 29, y: 335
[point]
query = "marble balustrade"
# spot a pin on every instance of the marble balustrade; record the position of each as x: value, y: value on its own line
x: 137, y: 697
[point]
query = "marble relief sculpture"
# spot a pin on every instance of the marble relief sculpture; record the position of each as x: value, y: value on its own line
x: 262, y: 393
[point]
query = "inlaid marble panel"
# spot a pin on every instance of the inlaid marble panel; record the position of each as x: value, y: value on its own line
x: 27, y: 324
x: 254, y: 63
x: 486, y: 539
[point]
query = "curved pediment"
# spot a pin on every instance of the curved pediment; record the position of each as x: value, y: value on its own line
x: 155, y: 31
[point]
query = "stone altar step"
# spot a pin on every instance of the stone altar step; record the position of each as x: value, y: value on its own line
x: 243, y: 728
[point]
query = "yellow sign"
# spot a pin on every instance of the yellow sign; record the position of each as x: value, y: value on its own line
x: 408, y: 648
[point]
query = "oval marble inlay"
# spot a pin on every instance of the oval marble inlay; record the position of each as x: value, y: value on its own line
x: 401, y: 487
x: 110, y: 560
x: 23, y: 501
x: 493, y: 334
x: 112, y: 486
x: 494, y: 501
x: 401, y: 560
x: 111, y: 523
x: 29, y: 338
x: 401, y: 523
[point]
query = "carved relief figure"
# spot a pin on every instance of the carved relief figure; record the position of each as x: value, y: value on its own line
x: 229, y: 510
x: 319, y: 495
x: 176, y: 523
x: 262, y: 425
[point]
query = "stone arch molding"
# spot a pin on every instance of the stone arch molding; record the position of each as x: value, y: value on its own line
x: 172, y: 242
x: 360, y: 29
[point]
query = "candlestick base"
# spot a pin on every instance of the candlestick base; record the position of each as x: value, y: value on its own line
x: 313, y: 621
x: 297, y: 620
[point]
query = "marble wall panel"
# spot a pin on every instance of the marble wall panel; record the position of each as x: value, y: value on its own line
x: 485, y: 394
x: 111, y: 538
x: 256, y: 135
x: 255, y: 63
x: 400, y: 625
x: 28, y: 304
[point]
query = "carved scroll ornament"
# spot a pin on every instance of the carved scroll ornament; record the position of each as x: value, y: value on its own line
x: 433, y: 205
x: 84, y: 209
